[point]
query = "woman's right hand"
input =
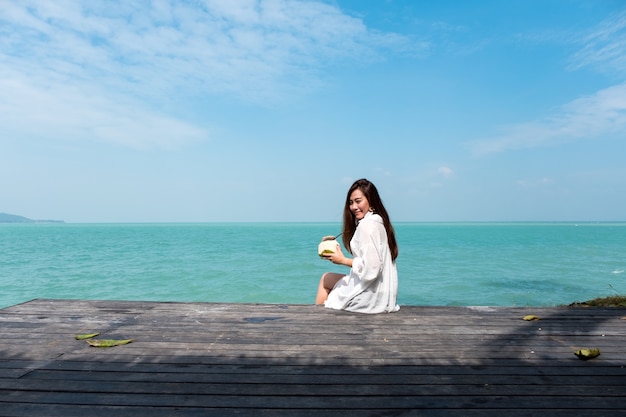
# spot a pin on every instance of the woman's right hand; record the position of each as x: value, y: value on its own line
x: 338, y: 257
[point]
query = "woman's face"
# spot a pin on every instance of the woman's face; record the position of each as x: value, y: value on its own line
x: 359, y: 206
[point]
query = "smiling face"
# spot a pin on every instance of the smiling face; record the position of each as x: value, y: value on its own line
x: 359, y: 206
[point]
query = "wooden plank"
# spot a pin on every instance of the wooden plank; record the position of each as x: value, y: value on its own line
x: 341, y: 400
x: 258, y: 359
x: 301, y: 385
x: 235, y: 372
x: 53, y: 410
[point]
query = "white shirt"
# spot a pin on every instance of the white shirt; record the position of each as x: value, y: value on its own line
x: 372, y: 284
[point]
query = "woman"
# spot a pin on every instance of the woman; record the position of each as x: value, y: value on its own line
x: 372, y: 284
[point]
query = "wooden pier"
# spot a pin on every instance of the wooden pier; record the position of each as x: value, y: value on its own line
x: 208, y: 359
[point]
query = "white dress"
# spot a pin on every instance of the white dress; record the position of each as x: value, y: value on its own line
x: 372, y: 284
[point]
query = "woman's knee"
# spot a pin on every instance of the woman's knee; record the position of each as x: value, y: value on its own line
x: 329, y: 279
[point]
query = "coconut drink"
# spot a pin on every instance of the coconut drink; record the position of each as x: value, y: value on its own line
x: 327, y: 246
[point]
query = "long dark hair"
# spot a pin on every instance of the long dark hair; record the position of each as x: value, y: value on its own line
x: 376, y: 204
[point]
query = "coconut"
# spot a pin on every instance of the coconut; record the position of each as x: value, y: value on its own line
x: 327, y: 246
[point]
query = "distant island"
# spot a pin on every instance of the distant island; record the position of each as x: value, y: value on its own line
x: 12, y: 218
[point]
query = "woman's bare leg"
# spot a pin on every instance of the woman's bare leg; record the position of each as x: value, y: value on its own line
x: 327, y: 283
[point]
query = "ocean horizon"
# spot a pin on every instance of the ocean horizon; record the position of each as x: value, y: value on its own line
x: 440, y: 263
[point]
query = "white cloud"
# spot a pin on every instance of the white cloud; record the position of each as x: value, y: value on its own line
x: 603, y: 113
x: 446, y: 172
x: 604, y: 48
x: 589, y: 117
x: 105, y: 70
x: 255, y: 49
x: 68, y: 113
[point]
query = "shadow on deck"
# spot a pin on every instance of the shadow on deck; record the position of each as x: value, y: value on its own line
x: 205, y: 359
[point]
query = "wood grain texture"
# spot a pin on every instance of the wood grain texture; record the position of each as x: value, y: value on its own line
x: 212, y: 359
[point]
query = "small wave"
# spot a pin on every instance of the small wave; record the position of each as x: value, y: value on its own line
x: 618, y: 271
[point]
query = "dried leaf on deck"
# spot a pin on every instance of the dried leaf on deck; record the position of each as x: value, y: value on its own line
x: 86, y: 336
x: 585, y: 354
x: 531, y: 317
x: 108, y: 342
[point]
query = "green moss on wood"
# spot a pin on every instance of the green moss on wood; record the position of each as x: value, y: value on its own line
x: 611, y: 301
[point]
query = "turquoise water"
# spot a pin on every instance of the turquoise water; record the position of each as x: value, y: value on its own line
x: 500, y: 264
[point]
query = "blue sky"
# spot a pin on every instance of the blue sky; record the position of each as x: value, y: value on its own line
x: 203, y: 111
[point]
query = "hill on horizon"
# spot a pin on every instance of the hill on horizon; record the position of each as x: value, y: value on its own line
x: 13, y: 218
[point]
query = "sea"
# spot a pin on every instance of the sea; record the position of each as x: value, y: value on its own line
x: 440, y: 264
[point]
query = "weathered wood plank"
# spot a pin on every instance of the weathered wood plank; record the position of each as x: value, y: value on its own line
x: 338, y: 402
x: 61, y: 410
x: 247, y: 359
x: 301, y: 385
